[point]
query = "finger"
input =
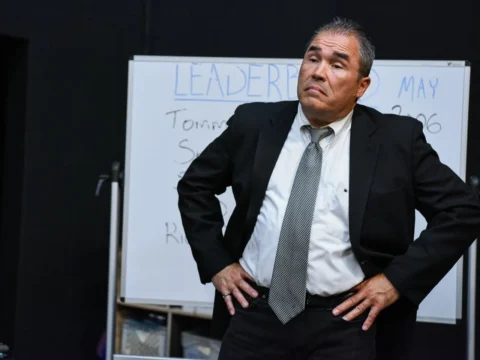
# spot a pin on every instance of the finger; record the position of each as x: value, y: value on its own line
x: 349, y: 303
x: 359, y: 309
x: 221, y: 283
x: 244, y: 274
x: 229, y: 302
x: 372, y: 316
x: 246, y: 287
x: 247, y: 275
x: 358, y: 287
x: 240, y: 298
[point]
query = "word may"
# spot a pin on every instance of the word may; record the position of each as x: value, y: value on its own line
x: 418, y: 89
x: 235, y: 83
x: 432, y: 126
x: 184, y: 124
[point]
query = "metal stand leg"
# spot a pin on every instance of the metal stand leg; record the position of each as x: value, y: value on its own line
x: 472, y: 285
x: 112, y: 268
x: 472, y: 279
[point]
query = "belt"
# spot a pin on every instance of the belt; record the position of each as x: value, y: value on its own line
x: 327, y: 302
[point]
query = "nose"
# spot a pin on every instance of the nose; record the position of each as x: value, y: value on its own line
x: 319, y: 71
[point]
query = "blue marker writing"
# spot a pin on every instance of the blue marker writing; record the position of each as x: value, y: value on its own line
x: 176, y: 82
x: 243, y: 86
x: 405, y: 86
x: 214, y: 76
x: 250, y: 78
x: 193, y: 76
x: 434, y: 87
x: 290, y: 76
x: 272, y: 68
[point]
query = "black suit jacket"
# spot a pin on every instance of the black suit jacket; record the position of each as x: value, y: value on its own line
x: 393, y: 171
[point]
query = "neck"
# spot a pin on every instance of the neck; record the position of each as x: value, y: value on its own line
x: 320, y: 119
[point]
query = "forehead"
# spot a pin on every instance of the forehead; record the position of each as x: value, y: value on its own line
x: 331, y: 41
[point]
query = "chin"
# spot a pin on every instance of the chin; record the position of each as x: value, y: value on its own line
x: 313, y: 104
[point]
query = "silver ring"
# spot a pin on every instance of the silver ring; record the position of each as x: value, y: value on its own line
x: 225, y: 295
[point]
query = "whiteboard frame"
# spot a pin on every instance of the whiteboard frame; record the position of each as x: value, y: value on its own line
x: 236, y: 60
x: 126, y: 177
x: 463, y: 175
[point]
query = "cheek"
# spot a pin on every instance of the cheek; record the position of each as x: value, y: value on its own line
x: 302, y: 74
x: 342, y: 84
x: 346, y: 94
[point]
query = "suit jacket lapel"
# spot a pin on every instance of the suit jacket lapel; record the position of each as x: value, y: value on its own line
x: 271, y: 138
x: 363, y: 157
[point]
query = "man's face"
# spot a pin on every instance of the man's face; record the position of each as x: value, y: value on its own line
x: 329, y: 82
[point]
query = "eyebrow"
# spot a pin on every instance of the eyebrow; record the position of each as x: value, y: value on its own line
x: 339, y: 54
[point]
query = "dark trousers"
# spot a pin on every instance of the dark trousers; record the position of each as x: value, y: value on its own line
x: 396, y: 331
x: 315, y: 334
x: 256, y: 333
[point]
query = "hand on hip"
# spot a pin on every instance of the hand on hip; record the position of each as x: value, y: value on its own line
x: 230, y: 282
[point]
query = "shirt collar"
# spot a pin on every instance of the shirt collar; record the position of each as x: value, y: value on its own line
x: 337, y: 126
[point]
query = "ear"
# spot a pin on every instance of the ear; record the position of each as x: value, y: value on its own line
x: 363, y: 85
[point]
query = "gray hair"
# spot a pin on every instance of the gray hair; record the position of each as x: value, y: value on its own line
x: 349, y: 27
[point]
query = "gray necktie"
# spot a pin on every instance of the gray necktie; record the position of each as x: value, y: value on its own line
x: 289, y: 279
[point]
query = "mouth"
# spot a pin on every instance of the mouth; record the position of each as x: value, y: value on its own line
x: 315, y: 89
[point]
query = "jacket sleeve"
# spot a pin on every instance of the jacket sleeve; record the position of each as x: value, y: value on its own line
x: 207, y: 176
x: 453, y: 222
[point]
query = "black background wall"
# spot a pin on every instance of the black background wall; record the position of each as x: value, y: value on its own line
x: 13, y: 84
x: 74, y: 124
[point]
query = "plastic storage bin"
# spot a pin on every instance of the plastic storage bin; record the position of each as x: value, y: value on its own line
x: 147, y: 337
x: 199, y: 347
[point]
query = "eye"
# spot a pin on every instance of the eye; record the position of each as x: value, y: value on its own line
x: 337, y: 66
x: 313, y: 59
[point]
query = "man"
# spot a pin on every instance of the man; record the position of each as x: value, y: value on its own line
x: 318, y: 259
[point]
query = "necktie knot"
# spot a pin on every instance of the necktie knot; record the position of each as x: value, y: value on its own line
x: 317, y: 134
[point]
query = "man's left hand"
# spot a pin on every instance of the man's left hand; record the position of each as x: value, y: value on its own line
x: 376, y: 294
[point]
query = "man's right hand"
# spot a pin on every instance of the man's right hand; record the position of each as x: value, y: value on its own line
x: 230, y: 282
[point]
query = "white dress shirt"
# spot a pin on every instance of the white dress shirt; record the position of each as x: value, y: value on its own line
x: 332, y: 266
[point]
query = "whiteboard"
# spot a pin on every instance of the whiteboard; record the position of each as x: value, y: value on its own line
x: 176, y: 106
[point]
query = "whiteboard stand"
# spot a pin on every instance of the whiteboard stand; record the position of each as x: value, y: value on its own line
x: 171, y: 132
x: 472, y: 284
x: 114, y: 178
